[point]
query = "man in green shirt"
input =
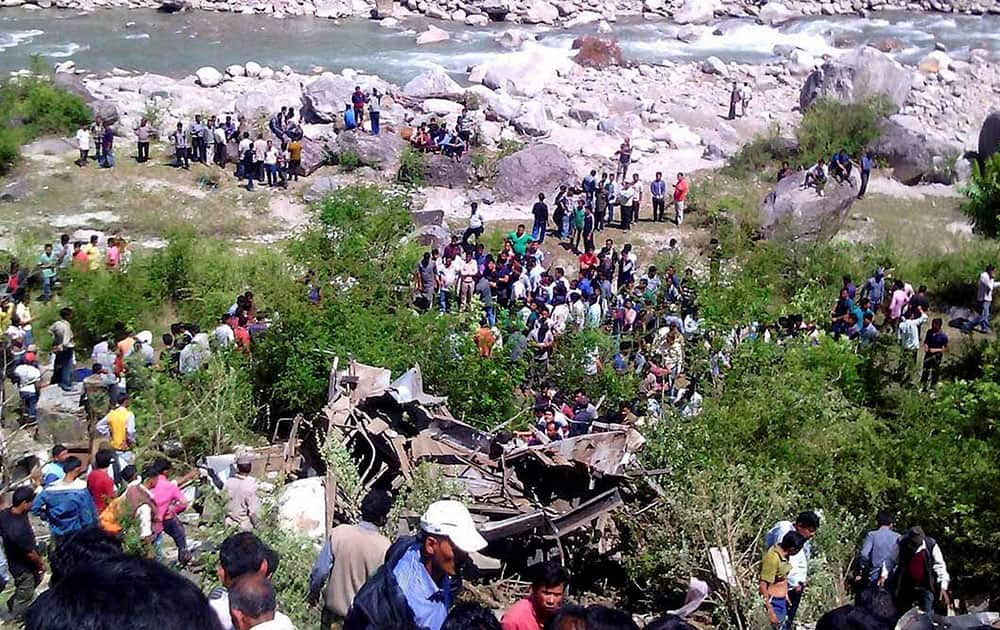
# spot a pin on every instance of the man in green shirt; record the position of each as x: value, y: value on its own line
x: 773, y: 584
x: 47, y: 263
x: 520, y: 239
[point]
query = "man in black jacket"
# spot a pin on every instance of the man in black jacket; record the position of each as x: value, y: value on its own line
x: 415, y: 587
x: 921, y: 574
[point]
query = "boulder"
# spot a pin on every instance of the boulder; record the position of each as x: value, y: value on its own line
x: 935, y: 62
x: 441, y: 107
x: 432, y: 83
x: 264, y: 100
x: 989, y: 136
x: 696, y: 12
x: 791, y: 213
x: 887, y: 44
x: 433, y: 35
x: 208, y: 76
x: 66, y: 66
x: 775, y: 13
x: 324, y: 99
x: 714, y: 65
x: 421, y: 218
x: 690, y: 34
x: 915, y: 153
x: 314, y: 154
x: 533, y: 120
x: 583, y: 18
x: 590, y: 109
x: 442, y: 171
x: 60, y: 417
x: 597, y: 52
x: 541, y: 12
x: 320, y: 187
x: 72, y: 84
x: 536, y: 168
x: 236, y: 70
x: 380, y: 152
x: 678, y: 136
x: 855, y: 77
x: 173, y: 6
x: 266, y: 73
x: 252, y: 69
x: 430, y: 236
x: 104, y: 110
x: 15, y: 191
x: 603, y: 28
x: 513, y: 39
x: 477, y: 19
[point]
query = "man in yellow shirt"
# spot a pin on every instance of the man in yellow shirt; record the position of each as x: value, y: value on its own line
x: 773, y: 584
x: 119, y: 427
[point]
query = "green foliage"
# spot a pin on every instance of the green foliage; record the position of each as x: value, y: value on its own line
x: 507, y: 147
x: 583, y: 360
x: 760, y: 154
x: 338, y: 460
x: 982, y: 204
x: 829, y: 126
x: 425, y: 486
x: 31, y: 107
x: 349, y: 160
x: 412, y: 167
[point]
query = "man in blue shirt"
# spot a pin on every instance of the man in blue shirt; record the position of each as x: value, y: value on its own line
x: 658, y: 190
x: 415, y: 587
x: 867, y: 164
x: 66, y: 505
x: 880, y: 550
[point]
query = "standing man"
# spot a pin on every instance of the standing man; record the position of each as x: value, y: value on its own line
x: 142, y: 134
x: 29, y: 379
x: 294, y: 158
x: 548, y: 589
x: 589, y: 187
x: 921, y: 575
x: 83, y: 144
x: 349, y: 557
x: 867, y: 164
x: 680, y: 197
x: 99, y: 483
x: 468, y: 269
x: 252, y: 604
x: 624, y: 154
x: 179, y: 138
x: 118, y: 426
x: 625, y: 198
x: 47, y: 263
x: 935, y: 346
x: 246, y: 160
x: 658, y: 191
x: 62, y: 346
x: 805, y: 525
x: 475, y: 225
x: 746, y: 93
x: 358, y: 104
x: 198, y: 141
x: 773, y: 584
x: 219, y: 141
x: 734, y: 97
x: 426, y: 277
x: 880, y: 550
x: 53, y: 471
x: 984, y: 296
x: 637, y: 198
x: 242, y: 502
x: 541, y: 213
x: 107, y: 146
x: 416, y: 585
x: 375, y: 113
x: 874, y: 289
x: 66, y: 505
x: 25, y: 563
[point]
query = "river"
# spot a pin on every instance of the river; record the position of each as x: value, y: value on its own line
x: 178, y: 44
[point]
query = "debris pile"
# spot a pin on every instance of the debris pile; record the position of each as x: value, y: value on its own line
x: 523, y: 496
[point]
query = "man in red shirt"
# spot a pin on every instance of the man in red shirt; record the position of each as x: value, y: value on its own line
x: 680, y: 195
x: 588, y: 260
x: 548, y: 588
x: 99, y: 482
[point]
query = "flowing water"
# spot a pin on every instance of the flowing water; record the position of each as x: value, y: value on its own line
x: 178, y: 44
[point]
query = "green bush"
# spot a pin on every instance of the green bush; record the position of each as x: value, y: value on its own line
x: 349, y: 160
x: 982, y: 204
x: 31, y: 107
x: 412, y: 167
x: 763, y: 152
x: 829, y: 126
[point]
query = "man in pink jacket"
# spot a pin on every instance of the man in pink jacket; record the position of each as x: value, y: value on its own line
x: 170, y: 502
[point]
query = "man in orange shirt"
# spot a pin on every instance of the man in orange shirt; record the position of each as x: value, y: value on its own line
x: 680, y: 196
x: 485, y: 339
x: 548, y: 588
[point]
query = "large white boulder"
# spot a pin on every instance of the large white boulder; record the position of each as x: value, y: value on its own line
x: 441, y: 107
x: 302, y: 507
x: 514, y: 39
x: 324, y: 99
x: 935, y: 62
x: 696, y: 12
x: 679, y: 136
x: 856, y: 76
x: 583, y: 18
x: 533, y: 120
x: 536, y: 168
x: 236, y: 70
x: 541, y: 12
x: 714, y: 65
x: 433, y: 82
x: 253, y: 69
x: 433, y: 35
x: 775, y: 13
x: 208, y: 76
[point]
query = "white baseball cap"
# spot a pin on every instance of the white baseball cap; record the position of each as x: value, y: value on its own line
x: 452, y: 519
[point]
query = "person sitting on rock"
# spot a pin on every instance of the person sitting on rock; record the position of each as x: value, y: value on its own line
x: 786, y: 171
x: 840, y: 166
x: 455, y: 147
x: 816, y: 177
x: 350, y: 122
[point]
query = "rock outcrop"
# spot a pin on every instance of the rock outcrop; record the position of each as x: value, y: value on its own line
x: 381, y: 152
x: 324, y: 99
x: 433, y: 83
x: 792, y: 214
x: 916, y: 154
x: 597, y: 52
x: 989, y: 136
x: 857, y: 76
x: 537, y: 168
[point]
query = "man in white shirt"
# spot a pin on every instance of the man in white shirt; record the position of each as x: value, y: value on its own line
x: 447, y: 279
x: 241, y: 555
x: 805, y: 524
x: 921, y: 575
x: 475, y: 225
x: 746, y: 93
x: 984, y: 295
x: 83, y: 144
x: 252, y: 605
x: 816, y: 177
x: 559, y: 318
x: 28, y: 379
x: 223, y: 334
x: 468, y: 269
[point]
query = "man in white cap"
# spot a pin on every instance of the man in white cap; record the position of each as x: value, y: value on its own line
x: 415, y: 587
x: 242, y: 502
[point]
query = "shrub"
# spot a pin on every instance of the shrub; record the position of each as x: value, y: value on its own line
x: 762, y: 152
x: 829, y: 126
x: 349, y: 160
x: 412, y: 167
x: 31, y: 107
x: 982, y: 204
